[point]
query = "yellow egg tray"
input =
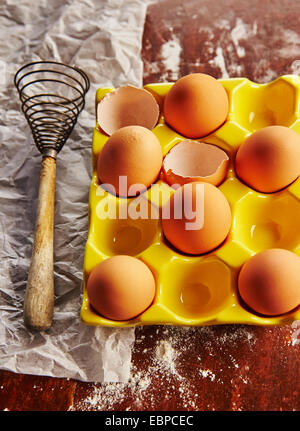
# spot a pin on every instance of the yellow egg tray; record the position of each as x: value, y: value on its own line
x: 202, y: 290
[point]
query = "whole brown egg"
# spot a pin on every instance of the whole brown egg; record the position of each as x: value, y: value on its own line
x: 269, y: 159
x: 132, y: 154
x: 197, y: 218
x: 196, y: 105
x: 121, y: 287
x: 269, y: 283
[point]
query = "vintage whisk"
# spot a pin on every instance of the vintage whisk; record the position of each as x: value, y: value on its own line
x: 52, y: 96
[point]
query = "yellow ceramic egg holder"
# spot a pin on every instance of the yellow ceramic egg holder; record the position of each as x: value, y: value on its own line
x: 201, y: 290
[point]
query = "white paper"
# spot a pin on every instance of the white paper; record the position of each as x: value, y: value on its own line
x: 103, y: 37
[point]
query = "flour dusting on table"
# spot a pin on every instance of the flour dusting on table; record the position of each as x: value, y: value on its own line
x: 160, y: 375
x: 170, y: 55
x: 223, y: 47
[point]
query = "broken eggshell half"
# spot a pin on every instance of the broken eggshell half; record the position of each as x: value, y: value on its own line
x: 190, y: 161
x: 127, y: 106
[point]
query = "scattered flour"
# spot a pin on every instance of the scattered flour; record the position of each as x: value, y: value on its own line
x: 219, y: 61
x: 170, y: 56
x: 153, y: 67
x: 140, y: 385
x: 242, y: 31
x: 226, y: 45
x: 223, y: 24
x: 207, y: 373
x: 295, y: 67
x: 290, y: 43
x: 165, y: 356
x: 295, y: 337
x: 161, y: 378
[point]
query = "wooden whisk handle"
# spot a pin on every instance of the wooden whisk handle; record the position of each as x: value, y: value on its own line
x: 39, y: 295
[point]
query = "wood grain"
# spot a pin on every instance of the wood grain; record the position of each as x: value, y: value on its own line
x: 39, y: 296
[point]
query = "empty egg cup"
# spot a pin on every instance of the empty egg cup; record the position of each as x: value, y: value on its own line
x: 201, y: 290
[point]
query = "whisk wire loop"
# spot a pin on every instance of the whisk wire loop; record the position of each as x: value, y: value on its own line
x: 52, y: 95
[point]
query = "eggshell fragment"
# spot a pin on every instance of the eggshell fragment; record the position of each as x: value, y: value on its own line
x: 269, y: 283
x: 133, y: 152
x: 196, y: 105
x: 268, y: 160
x: 185, y: 207
x: 121, y: 287
x: 195, y: 161
x: 127, y: 106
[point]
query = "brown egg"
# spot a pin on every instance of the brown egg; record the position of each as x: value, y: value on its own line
x: 191, y: 161
x: 121, y: 287
x: 127, y: 106
x: 197, y: 218
x: 268, y: 160
x: 196, y: 105
x: 269, y: 283
x: 133, y: 152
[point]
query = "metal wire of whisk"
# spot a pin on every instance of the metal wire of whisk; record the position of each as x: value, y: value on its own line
x: 52, y: 96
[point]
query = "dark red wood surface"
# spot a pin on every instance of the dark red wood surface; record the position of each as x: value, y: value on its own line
x: 216, y: 368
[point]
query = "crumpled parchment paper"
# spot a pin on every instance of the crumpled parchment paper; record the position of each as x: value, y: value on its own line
x: 103, y: 37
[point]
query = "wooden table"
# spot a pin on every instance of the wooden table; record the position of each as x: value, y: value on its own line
x: 214, y: 368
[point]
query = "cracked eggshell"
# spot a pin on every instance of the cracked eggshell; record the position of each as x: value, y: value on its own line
x: 191, y: 161
x: 127, y: 106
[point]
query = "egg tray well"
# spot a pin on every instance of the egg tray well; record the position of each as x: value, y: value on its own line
x: 202, y: 290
